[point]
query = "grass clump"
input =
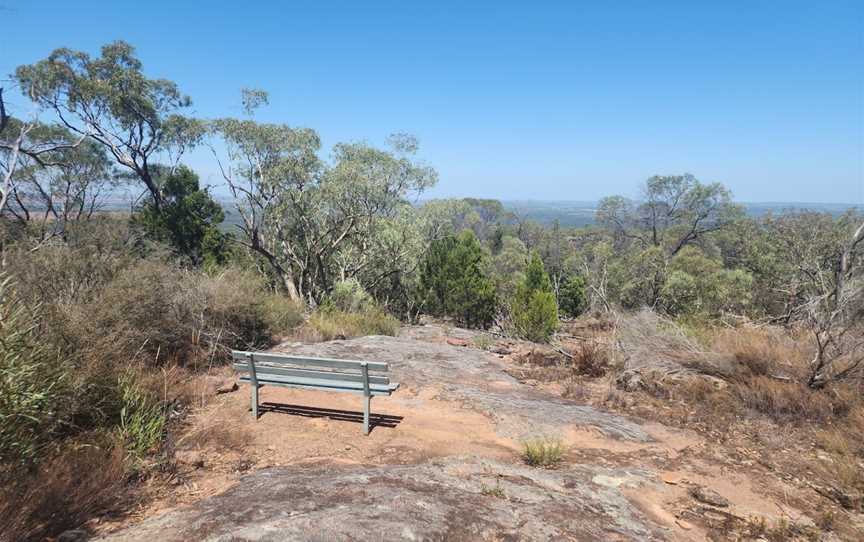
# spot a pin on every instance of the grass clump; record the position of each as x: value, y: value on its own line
x: 483, y: 341
x: 542, y: 452
x: 142, y: 418
x: 348, y: 312
x: 334, y: 324
x: 496, y: 491
x: 33, y: 384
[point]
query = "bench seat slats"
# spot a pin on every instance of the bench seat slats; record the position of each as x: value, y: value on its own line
x: 323, y: 385
x: 274, y: 358
x: 325, y: 374
x: 263, y: 370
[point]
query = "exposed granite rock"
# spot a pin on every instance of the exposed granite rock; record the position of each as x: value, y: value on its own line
x: 457, y: 498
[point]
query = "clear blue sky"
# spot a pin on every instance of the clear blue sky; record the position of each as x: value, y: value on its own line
x: 540, y: 100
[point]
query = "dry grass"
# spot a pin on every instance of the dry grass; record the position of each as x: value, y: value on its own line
x: 64, y: 493
x: 591, y: 358
x: 763, y: 351
x: 542, y: 452
x: 334, y: 324
x: 747, y: 386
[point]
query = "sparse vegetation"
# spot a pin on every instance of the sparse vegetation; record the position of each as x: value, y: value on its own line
x: 543, y: 452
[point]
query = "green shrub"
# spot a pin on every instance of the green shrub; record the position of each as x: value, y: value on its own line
x: 33, y: 383
x: 699, y: 285
x: 454, y: 283
x: 142, y: 418
x: 348, y: 296
x: 281, y: 315
x: 571, y: 296
x: 188, y: 219
x: 544, y: 452
x: 535, y: 313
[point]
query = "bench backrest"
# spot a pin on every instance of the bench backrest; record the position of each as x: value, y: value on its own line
x: 303, y: 371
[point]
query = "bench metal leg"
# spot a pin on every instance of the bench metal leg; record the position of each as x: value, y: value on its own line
x: 367, y: 396
x: 366, y: 404
x: 253, y: 382
x: 255, y: 401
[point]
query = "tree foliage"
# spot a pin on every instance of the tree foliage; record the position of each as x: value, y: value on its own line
x: 109, y: 100
x: 453, y: 281
x: 301, y: 213
x: 571, y: 296
x: 534, y: 310
x: 673, y: 212
x: 188, y: 220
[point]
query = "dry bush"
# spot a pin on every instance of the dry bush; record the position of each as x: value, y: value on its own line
x: 64, y: 493
x: 763, y: 351
x: 159, y: 314
x: 591, y: 358
x: 844, y: 442
x: 794, y: 402
x: 574, y: 389
x: 648, y: 340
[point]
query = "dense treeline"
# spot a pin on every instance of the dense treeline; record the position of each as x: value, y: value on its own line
x: 91, y: 302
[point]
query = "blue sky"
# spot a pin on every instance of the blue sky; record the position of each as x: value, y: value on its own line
x: 541, y: 100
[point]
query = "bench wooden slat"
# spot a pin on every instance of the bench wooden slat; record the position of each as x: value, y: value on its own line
x: 270, y: 357
x: 323, y: 385
x: 263, y: 370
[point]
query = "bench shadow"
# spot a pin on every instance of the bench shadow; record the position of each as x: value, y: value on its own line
x: 375, y: 419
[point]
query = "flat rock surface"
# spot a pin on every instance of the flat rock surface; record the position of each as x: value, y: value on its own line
x: 476, y: 379
x: 449, y: 470
x: 457, y: 498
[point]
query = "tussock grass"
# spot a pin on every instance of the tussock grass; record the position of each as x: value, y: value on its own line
x: 335, y: 324
x: 542, y: 452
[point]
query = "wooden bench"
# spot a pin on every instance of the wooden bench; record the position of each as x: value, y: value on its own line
x: 260, y: 368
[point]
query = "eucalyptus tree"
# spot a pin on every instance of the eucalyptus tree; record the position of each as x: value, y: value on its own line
x: 21, y: 140
x: 69, y: 188
x: 109, y: 99
x: 301, y: 213
x: 672, y: 212
x: 826, y: 256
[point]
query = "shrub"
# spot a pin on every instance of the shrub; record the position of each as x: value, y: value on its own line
x: 542, y: 452
x: 281, y: 315
x: 454, y: 283
x: 142, y: 418
x: 188, y: 219
x: 571, y: 296
x: 33, y: 383
x: 591, y: 359
x: 763, y: 352
x: 141, y: 314
x: 348, y: 296
x: 537, y: 319
x: 791, y: 402
x: 535, y: 313
x: 697, y: 284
